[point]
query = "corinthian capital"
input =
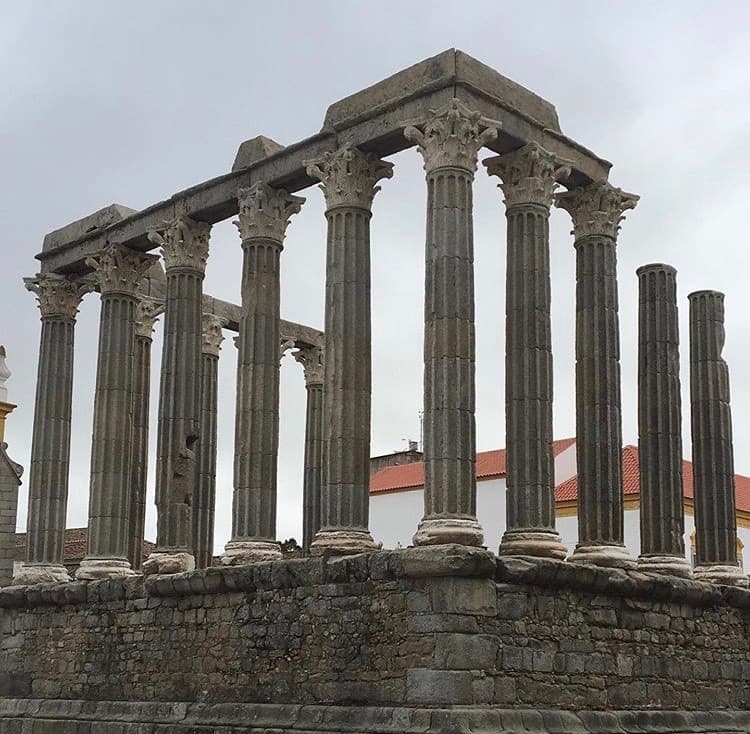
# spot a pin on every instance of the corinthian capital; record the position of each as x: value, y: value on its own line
x: 212, y: 334
x: 58, y: 295
x: 184, y: 243
x: 311, y: 359
x: 528, y: 175
x: 147, y: 311
x: 348, y: 176
x: 596, y: 209
x: 265, y: 212
x: 452, y: 136
x: 118, y: 269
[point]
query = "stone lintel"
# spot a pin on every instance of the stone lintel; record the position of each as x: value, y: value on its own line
x: 253, y: 150
x: 91, y: 223
x: 378, y: 130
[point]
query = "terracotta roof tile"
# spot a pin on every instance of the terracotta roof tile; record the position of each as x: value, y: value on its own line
x: 75, y: 544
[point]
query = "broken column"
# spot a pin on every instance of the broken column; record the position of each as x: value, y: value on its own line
x: 449, y: 141
x: 147, y: 311
x: 184, y: 247
x: 662, y: 513
x: 596, y: 210
x: 529, y: 178
x: 713, y: 452
x: 263, y: 219
x: 204, y: 499
x: 349, y: 179
x: 311, y: 358
x: 59, y: 298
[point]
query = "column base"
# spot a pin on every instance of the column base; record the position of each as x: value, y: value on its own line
x: 610, y: 556
x: 163, y: 562
x: 721, y: 575
x: 538, y: 543
x: 667, y: 565
x: 342, y: 543
x: 93, y: 569
x: 242, y: 552
x: 41, y: 573
x: 448, y: 530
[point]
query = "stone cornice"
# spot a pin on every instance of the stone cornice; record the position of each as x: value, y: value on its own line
x: 528, y: 175
x: 212, y: 334
x: 147, y: 312
x: 348, y: 176
x: 184, y: 243
x: 311, y: 359
x: 119, y: 269
x: 451, y: 137
x: 265, y: 212
x: 58, y: 295
x: 596, y: 209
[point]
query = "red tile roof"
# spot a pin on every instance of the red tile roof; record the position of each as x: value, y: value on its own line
x: 411, y: 476
x: 75, y: 544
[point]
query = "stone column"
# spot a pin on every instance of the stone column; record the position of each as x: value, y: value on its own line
x: 529, y: 178
x: 59, y: 298
x: 147, y: 311
x: 264, y: 216
x: 311, y: 358
x: 596, y: 210
x: 349, y: 179
x: 713, y: 452
x: 184, y: 247
x: 204, y: 499
x: 662, y: 511
x: 118, y: 272
x: 449, y: 141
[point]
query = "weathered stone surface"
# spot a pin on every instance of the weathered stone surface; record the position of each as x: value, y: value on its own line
x: 98, y: 220
x: 10, y: 479
x: 253, y: 150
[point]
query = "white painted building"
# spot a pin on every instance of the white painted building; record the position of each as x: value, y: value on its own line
x: 396, y: 501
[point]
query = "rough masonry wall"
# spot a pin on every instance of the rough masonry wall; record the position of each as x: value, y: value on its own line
x: 411, y: 630
x: 8, y: 507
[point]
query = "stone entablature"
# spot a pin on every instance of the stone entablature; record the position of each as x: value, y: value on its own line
x: 413, y: 630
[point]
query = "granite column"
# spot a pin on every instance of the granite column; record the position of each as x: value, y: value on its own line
x: 311, y: 358
x: 662, y: 512
x: 449, y: 141
x: 59, y: 298
x: 713, y: 451
x: 529, y: 177
x: 349, y: 179
x: 184, y: 247
x: 263, y: 218
x: 118, y: 272
x: 204, y: 499
x: 596, y: 210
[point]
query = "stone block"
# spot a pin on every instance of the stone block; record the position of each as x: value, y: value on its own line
x: 439, y: 687
x: 423, y: 624
x: 446, y: 560
x: 475, y: 596
x: 466, y: 651
x: 253, y: 150
x: 93, y: 222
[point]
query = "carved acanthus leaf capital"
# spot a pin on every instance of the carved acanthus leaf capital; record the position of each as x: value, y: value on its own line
x: 184, y: 243
x: 212, y: 334
x: 59, y: 295
x: 452, y: 136
x: 265, y: 212
x: 311, y: 359
x: 285, y: 345
x: 118, y: 269
x: 529, y: 175
x: 596, y: 209
x: 147, y: 312
x: 348, y: 176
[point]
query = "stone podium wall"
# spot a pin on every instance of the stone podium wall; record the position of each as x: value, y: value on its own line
x: 390, y: 642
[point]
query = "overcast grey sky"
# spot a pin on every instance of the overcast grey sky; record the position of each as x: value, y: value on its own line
x: 128, y: 102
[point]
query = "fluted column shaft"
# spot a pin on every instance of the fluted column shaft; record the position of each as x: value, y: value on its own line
x: 349, y: 178
x: 596, y: 211
x: 449, y: 141
x: 264, y: 217
x: 311, y: 359
x: 662, y: 515
x: 529, y: 177
x: 58, y: 299
x: 185, y: 250
x: 713, y: 451
x: 204, y: 499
